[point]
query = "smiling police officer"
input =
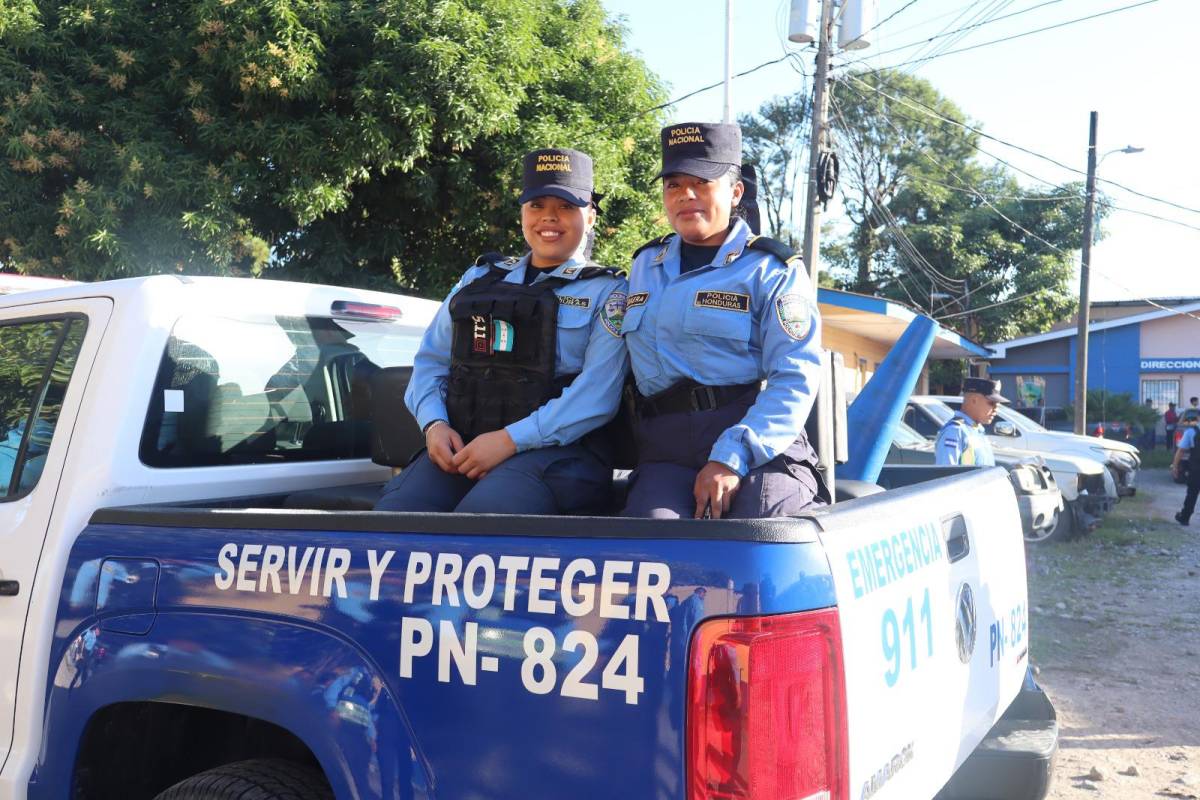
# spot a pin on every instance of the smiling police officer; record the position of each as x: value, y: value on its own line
x: 962, y: 439
x: 713, y: 312
x: 522, y: 361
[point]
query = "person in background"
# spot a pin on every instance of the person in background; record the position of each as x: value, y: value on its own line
x: 1189, y: 448
x: 1148, y: 432
x: 1170, y: 422
x: 522, y: 361
x: 1191, y: 414
x: 962, y: 440
x: 713, y: 312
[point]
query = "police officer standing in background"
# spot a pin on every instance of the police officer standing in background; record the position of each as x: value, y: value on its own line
x: 712, y: 312
x: 522, y: 361
x: 962, y: 439
x: 1189, y: 448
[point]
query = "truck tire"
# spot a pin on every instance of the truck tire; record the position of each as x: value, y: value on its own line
x: 1063, y: 530
x: 257, y: 779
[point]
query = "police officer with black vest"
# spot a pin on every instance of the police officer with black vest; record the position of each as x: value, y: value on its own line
x: 522, y: 362
x: 725, y: 346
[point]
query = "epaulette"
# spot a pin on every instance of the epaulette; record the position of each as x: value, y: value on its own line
x: 776, y: 248
x: 593, y: 270
x: 659, y: 242
x: 492, y: 259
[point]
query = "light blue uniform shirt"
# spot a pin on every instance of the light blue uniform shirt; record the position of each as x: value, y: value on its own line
x: 746, y: 317
x: 962, y: 442
x: 588, y: 344
x: 1188, y: 440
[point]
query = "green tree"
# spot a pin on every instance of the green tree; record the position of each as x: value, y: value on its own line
x: 364, y: 142
x: 930, y: 218
x: 774, y: 140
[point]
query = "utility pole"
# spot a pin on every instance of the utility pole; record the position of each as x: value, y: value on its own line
x: 728, y: 61
x: 1081, y: 336
x: 820, y: 113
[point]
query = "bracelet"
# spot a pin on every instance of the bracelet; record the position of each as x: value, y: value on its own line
x: 425, y: 430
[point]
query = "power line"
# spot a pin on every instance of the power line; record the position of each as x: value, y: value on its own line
x: 890, y: 17
x: 994, y: 305
x: 983, y: 16
x: 943, y: 34
x: 904, y: 244
x: 1020, y: 35
x: 920, y: 107
x: 924, y: 152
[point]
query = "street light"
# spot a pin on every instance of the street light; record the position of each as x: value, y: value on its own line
x: 1127, y: 149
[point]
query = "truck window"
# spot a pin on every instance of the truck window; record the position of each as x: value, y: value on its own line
x: 922, y: 422
x: 238, y: 391
x: 36, y: 361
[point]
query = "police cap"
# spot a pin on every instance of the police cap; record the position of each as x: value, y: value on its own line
x: 706, y: 150
x: 986, y: 387
x: 559, y: 173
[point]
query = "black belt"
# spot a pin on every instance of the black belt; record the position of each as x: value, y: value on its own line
x: 690, y: 396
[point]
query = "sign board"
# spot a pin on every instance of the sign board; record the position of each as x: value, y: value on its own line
x: 1170, y: 365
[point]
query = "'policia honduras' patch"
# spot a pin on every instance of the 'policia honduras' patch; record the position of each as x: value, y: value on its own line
x: 613, y: 313
x: 728, y: 301
x: 795, y: 313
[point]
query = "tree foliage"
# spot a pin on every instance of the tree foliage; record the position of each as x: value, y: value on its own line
x: 774, y: 140
x: 351, y: 141
x: 929, y: 218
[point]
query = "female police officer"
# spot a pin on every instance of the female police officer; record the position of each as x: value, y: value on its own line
x: 521, y: 362
x: 712, y: 312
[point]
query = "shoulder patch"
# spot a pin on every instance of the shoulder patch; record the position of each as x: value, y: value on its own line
x: 795, y: 313
x: 659, y: 242
x: 612, y: 313
x: 776, y: 248
x: 637, y: 299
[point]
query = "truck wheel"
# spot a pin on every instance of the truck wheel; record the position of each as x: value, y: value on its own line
x: 1063, y: 529
x: 257, y: 779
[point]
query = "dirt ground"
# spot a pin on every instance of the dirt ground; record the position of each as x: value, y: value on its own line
x: 1115, y: 626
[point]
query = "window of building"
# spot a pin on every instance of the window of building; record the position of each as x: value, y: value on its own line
x: 1161, y: 392
x: 243, y: 391
x: 37, y: 358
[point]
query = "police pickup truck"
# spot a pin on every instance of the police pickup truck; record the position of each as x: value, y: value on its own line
x: 192, y: 607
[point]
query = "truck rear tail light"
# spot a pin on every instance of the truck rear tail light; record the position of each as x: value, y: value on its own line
x: 767, y: 709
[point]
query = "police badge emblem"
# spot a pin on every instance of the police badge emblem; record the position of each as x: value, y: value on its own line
x: 612, y: 314
x: 795, y: 313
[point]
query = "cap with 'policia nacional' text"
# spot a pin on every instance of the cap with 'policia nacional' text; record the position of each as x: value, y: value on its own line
x: 706, y: 150
x: 986, y: 387
x: 558, y: 173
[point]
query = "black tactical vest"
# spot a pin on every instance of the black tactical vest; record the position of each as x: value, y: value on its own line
x: 504, y: 348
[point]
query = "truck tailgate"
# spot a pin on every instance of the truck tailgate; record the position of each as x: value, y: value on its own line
x: 448, y: 656
x: 931, y: 591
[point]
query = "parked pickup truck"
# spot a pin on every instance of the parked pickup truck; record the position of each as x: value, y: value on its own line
x: 1039, y: 498
x: 1014, y: 429
x: 1095, y: 491
x: 189, y: 600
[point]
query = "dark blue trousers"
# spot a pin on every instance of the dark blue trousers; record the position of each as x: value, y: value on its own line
x: 673, y: 448
x: 549, y: 480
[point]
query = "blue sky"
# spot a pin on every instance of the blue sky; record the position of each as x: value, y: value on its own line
x: 1138, y: 68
